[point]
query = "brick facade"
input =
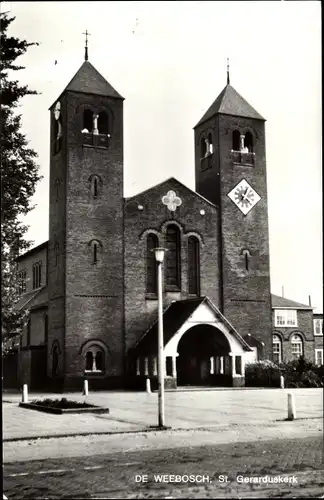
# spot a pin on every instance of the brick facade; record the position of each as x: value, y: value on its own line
x: 101, y: 303
x: 304, y: 329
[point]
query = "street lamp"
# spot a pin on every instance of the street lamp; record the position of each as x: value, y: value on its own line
x: 159, y: 256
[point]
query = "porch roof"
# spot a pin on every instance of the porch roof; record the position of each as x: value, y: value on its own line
x: 174, y: 316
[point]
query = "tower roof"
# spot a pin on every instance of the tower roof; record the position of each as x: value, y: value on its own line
x: 230, y: 102
x: 89, y: 81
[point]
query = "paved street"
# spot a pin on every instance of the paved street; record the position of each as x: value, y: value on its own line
x: 213, y: 433
x: 183, y: 410
x: 113, y: 475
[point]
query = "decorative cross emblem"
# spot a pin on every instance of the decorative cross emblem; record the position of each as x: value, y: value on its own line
x: 171, y: 200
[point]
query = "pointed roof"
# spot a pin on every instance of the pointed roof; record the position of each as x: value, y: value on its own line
x: 230, y: 102
x: 278, y: 302
x: 88, y: 80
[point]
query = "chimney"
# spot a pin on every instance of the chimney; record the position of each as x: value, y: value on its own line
x: 282, y: 291
x: 309, y: 301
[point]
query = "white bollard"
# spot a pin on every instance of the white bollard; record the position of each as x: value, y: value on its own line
x: 85, y: 388
x: 148, y: 386
x: 25, y: 394
x: 291, y: 407
x: 282, y: 382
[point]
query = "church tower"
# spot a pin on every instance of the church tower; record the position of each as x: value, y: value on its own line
x: 230, y: 169
x: 85, y: 255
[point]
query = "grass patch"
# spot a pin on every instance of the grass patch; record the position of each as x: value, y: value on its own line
x: 63, y: 403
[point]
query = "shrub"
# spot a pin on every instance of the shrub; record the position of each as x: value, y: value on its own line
x: 262, y: 374
x: 302, y: 373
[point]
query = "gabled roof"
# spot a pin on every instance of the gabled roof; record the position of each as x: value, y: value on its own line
x: 170, y: 179
x: 174, y: 316
x: 230, y: 102
x: 33, y: 250
x: 278, y: 302
x: 88, y: 80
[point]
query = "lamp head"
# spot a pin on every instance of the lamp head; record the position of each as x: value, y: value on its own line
x: 159, y: 254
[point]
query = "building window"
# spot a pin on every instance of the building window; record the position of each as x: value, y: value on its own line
x: 193, y: 266
x: 319, y: 357
x: 87, y: 121
x: 95, y: 185
x: 296, y: 346
x: 95, y: 248
x: 276, y: 349
x: 203, y: 148
x: 37, y: 275
x: 285, y: 317
x: 57, y: 136
x: 172, y: 259
x: 103, y: 125
x: 151, y: 264
x: 210, y: 144
x: 318, y: 326
x: 22, y: 281
x: 238, y: 365
x: 94, y: 359
x: 248, y: 143
x: 236, y: 140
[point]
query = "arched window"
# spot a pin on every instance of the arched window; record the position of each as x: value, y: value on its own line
x: 296, y: 346
x: 236, y: 140
x: 276, y: 349
x: 248, y: 142
x: 210, y: 144
x: 103, y: 125
x: 172, y: 259
x: 193, y: 266
x: 247, y: 257
x: 56, y: 254
x: 95, y: 247
x: 95, y: 185
x: 203, y: 147
x: 37, y: 275
x: 151, y: 264
x: 94, y: 359
x: 87, y: 120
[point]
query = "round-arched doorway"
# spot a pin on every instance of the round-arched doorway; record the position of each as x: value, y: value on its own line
x: 197, y: 350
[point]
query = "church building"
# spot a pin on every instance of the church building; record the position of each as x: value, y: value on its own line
x: 91, y: 289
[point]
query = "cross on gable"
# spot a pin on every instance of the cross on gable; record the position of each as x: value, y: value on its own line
x: 171, y: 200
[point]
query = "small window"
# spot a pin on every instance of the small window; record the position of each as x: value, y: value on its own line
x: 318, y: 326
x: 87, y: 121
x: 203, y: 147
x: 210, y: 144
x: 95, y: 185
x: 276, y: 349
x: 37, y: 275
x: 248, y: 142
x: 173, y: 259
x: 193, y: 266
x: 319, y: 357
x: 22, y: 281
x: 94, y: 359
x: 168, y: 366
x: 238, y: 365
x: 151, y: 264
x: 95, y: 247
x: 285, y: 317
x: 247, y: 257
x: 296, y: 346
x: 103, y: 127
x: 236, y: 140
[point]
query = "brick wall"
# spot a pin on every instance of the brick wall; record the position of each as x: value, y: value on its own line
x: 28, y: 260
x: 141, y: 311
x: 304, y: 328
x: 246, y: 294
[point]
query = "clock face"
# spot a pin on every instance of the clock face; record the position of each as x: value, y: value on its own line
x: 57, y: 110
x: 244, y: 196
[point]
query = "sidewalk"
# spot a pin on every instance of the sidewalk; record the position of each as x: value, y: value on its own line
x: 138, y: 412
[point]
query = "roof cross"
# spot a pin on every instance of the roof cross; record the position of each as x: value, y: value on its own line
x: 228, y: 72
x: 86, y: 45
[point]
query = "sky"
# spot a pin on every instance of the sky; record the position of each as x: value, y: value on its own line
x: 168, y: 59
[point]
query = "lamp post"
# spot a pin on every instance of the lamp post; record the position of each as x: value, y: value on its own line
x: 159, y: 256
